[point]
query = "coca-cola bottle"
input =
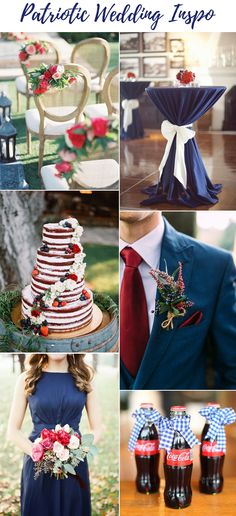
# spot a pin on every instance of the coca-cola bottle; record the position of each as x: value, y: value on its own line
x: 178, y: 465
x: 212, y: 461
x: 147, y: 455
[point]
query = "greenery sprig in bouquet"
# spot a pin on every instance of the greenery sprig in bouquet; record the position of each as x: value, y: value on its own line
x: 50, y: 76
x: 81, y: 140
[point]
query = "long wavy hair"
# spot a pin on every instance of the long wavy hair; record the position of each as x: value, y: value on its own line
x: 79, y: 370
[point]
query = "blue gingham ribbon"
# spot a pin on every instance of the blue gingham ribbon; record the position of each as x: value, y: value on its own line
x: 180, y: 424
x: 218, y: 418
x: 142, y: 416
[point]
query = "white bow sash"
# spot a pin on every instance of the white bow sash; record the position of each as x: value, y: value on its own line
x: 183, y: 134
x: 128, y: 106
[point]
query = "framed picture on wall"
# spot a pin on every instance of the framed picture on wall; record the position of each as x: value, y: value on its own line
x: 155, y: 66
x: 129, y: 64
x: 154, y: 42
x: 129, y: 42
x: 177, y: 46
x: 177, y: 62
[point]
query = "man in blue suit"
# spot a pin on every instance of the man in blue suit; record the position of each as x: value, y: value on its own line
x: 152, y: 357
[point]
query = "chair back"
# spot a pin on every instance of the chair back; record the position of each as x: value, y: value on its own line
x: 94, y: 54
x: 71, y: 100
x: 34, y: 61
x: 110, y: 92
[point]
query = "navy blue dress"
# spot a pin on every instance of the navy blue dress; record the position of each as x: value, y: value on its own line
x: 56, y: 401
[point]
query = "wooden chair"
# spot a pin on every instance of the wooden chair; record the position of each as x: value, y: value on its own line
x: 94, y: 174
x: 110, y: 96
x: 57, y: 110
x: 94, y: 54
x: 22, y: 82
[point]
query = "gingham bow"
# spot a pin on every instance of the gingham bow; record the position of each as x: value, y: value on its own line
x: 142, y: 417
x: 218, y: 418
x: 183, y: 134
x: 180, y: 424
x: 128, y: 105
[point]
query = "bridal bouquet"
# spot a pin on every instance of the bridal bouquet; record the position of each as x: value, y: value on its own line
x: 60, y: 450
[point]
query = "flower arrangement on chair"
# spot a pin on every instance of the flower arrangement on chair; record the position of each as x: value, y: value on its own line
x: 32, y: 48
x: 46, y: 77
x: 14, y: 36
x: 82, y: 139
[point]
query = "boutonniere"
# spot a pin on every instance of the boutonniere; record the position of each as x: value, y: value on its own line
x: 172, y: 297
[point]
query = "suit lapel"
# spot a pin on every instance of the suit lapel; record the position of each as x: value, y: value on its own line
x: 175, y: 248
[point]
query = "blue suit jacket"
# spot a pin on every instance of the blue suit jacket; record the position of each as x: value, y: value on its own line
x: 176, y: 359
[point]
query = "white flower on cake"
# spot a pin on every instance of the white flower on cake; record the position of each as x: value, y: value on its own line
x: 73, y: 222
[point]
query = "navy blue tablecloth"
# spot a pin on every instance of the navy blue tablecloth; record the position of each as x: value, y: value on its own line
x: 183, y: 106
x: 133, y: 90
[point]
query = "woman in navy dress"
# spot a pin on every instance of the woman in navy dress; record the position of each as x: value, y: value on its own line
x: 57, y: 388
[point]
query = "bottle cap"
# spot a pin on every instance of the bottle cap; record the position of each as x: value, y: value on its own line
x: 146, y: 405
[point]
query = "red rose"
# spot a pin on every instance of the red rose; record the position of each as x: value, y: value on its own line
x: 100, y: 126
x: 23, y: 55
x: 75, y: 248
x: 76, y: 139
x: 63, y: 437
x: 131, y: 75
x: 47, y: 75
x: 42, y: 50
x: 72, y: 79
x: 53, y: 69
x: 49, y: 434
x: 64, y: 167
x: 73, y: 277
x: 35, y: 313
x: 47, y: 444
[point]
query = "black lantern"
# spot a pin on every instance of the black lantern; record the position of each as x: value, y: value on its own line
x: 5, y: 106
x: 7, y: 141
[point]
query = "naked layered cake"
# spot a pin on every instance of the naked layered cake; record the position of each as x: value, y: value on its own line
x: 57, y: 299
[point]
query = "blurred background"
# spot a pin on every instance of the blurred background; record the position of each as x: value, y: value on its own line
x: 218, y: 228
x: 104, y: 468
x: 162, y: 401
x: 22, y: 215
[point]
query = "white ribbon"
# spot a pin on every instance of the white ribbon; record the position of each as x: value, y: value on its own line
x: 183, y: 134
x: 128, y: 106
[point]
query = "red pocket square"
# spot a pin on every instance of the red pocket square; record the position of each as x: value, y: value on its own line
x: 193, y: 320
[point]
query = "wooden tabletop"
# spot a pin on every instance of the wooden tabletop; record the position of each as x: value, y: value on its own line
x: 137, y: 504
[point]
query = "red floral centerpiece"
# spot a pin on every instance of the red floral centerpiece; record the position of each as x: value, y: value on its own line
x: 185, y: 77
x: 130, y: 76
x: 46, y: 77
x: 14, y: 36
x: 32, y: 48
x: 81, y: 140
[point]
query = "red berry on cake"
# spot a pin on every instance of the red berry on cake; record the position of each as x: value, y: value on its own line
x: 35, y: 272
x: 63, y: 303
x: 44, y: 331
x: 72, y: 277
x: 35, y: 313
x: 75, y: 248
x: 55, y: 303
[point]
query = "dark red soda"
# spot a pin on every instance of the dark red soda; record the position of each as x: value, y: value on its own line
x: 212, y: 461
x: 178, y: 466
x: 147, y: 456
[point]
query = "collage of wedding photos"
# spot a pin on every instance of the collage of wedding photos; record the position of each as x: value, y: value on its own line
x: 117, y: 273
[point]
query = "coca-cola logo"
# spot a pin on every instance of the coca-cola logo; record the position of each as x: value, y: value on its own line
x: 210, y: 449
x: 179, y: 457
x: 147, y: 447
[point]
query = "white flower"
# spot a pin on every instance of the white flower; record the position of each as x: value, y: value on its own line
x: 57, y: 428
x: 70, y: 284
x: 73, y: 222
x: 57, y: 448
x: 63, y: 455
x: 38, y: 440
x: 66, y: 428
x: 74, y: 443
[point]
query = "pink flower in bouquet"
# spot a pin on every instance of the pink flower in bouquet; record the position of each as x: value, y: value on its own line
x: 30, y: 49
x: 37, y: 452
x: 63, y: 437
x: 74, y: 443
x: 58, y: 72
x: 100, y: 126
x: 63, y: 167
x: 72, y: 80
x: 67, y: 155
x: 53, y: 69
x: 76, y: 139
x: 23, y: 55
x: 47, y: 443
x: 63, y: 455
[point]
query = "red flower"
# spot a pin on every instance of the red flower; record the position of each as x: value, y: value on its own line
x: 47, y: 75
x: 64, y: 167
x: 49, y: 434
x: 100, y: 126
x: 53, y: 69
x: 72, y: 79
x: 63, y: 437
x: 76, y: 139
x: 23, y: 55
x: 72, y: 277
x: 75, y: 248
x: 131, y: 75
x: 35, y: 313
x: 47, y: 443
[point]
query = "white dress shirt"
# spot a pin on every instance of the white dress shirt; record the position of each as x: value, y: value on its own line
x: 149, y: 248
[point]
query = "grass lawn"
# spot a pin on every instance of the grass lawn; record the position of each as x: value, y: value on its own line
x: 102, y: 269
x: 30, y: 162
x: 104, y: 469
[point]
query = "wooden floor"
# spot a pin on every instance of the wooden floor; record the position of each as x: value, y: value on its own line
x: 139, y: 168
